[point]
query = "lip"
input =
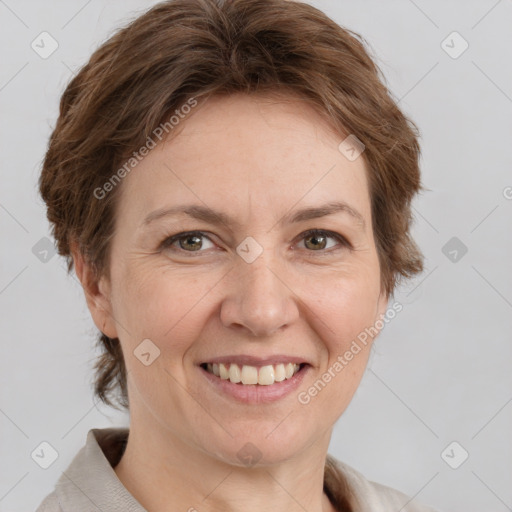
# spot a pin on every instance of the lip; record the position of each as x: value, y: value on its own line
x: 256, y: 361
x: 255, y: 393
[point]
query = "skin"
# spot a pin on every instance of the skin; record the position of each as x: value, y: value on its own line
x: 257, y: 159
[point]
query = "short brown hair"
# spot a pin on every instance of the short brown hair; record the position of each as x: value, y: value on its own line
x: 182, y: 49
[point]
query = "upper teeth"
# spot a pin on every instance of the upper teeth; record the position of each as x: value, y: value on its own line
x: 266, y: 375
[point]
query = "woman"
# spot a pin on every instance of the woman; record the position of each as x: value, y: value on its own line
x: 231, y: 181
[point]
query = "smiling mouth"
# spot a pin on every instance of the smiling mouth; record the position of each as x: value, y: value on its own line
x: 250, y: 375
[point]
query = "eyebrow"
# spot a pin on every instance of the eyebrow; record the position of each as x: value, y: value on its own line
x: 206, y: 214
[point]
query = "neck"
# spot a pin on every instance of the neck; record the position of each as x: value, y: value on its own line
x: 159, y: 469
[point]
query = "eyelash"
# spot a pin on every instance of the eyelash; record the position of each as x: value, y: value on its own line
x: 167, y: 242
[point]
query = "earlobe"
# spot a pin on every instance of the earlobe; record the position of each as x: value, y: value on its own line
x: 380, y: 310
x: 97, y: 294
x: 382, y: 305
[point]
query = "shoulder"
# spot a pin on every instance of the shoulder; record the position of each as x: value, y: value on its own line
x: 50, y: 504
x: 375, y: 497
x: 90, y: 482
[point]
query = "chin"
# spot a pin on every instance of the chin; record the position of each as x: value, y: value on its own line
x: 260, y: 449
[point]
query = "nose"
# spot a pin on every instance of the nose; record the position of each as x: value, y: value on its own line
x: 259, y: 300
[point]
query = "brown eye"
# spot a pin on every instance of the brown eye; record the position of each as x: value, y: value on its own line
x: 316, y: 240
x: 192, y: 242
x: 187, y: 242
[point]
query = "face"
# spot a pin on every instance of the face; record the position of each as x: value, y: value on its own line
x: 258, y: 284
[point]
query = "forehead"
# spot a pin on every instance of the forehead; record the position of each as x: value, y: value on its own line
x: 230, y: 122
x: 251, y: 153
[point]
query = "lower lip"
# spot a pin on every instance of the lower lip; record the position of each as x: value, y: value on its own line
x: 256, y: 393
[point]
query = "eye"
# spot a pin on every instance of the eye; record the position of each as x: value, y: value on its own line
x: 314, y: 239
x: 189, y: 240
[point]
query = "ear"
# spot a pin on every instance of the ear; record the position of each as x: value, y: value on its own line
x: 97, y: 294
x: 380, y: 310
x: 382, y: 305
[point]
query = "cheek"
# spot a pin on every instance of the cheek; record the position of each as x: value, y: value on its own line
x: 170, y: 309
x: 342, y: 316
x: 345, y: 305
x: 163, y: 306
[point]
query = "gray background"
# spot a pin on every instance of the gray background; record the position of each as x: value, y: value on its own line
x: 440, y: 372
